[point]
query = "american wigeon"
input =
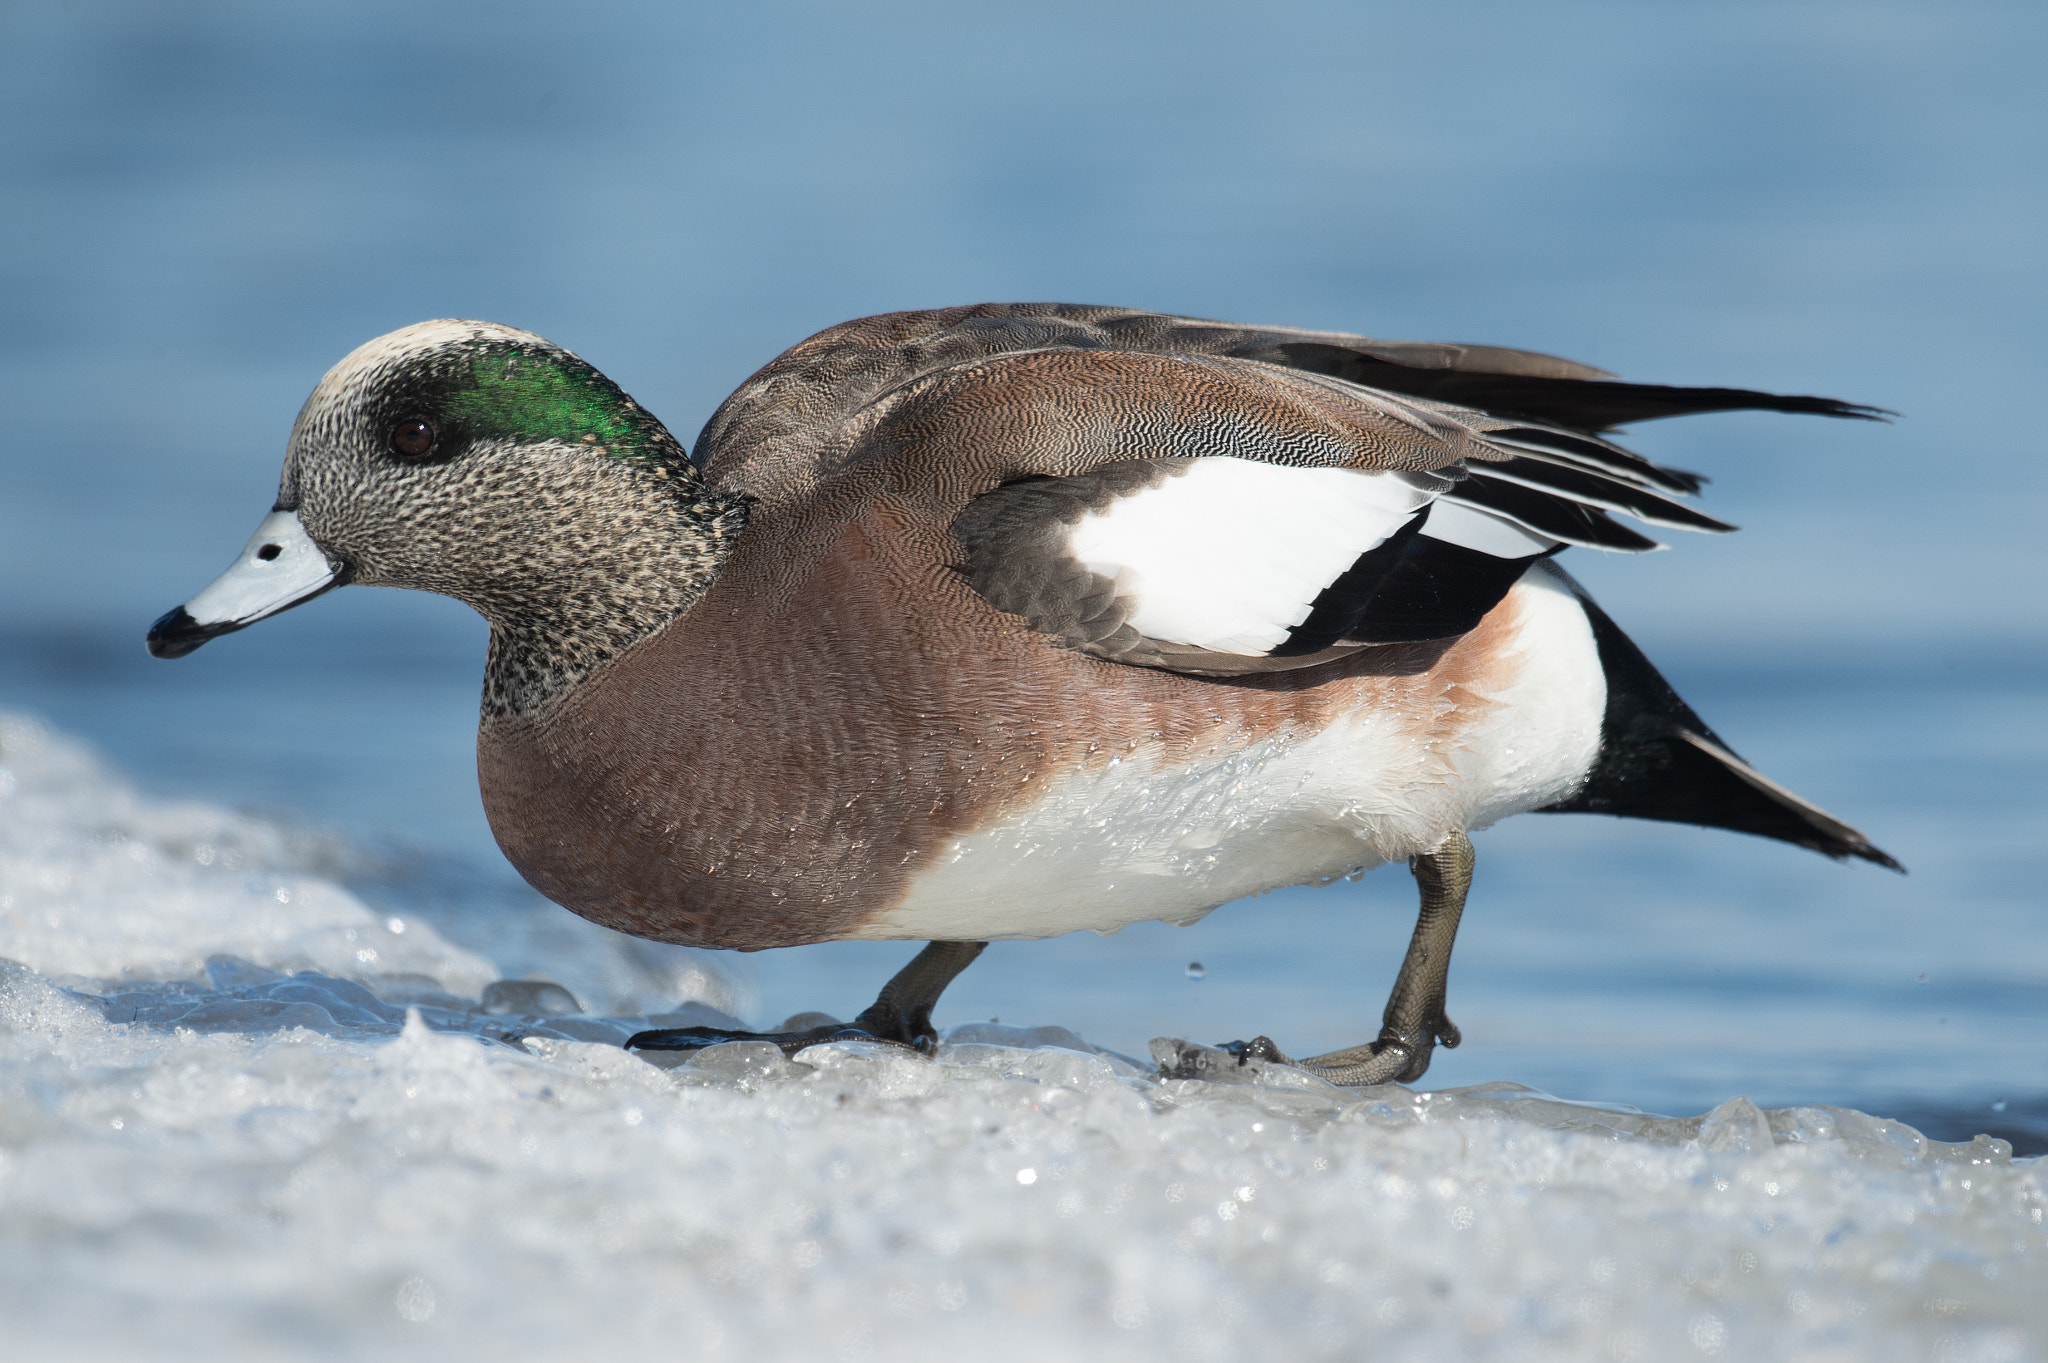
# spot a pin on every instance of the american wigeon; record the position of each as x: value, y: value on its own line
x: 1010, y: 620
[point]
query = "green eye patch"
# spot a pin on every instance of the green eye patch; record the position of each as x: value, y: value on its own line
x: 515, y: 393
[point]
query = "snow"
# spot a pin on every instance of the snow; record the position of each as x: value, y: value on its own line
x: 245, y: 1114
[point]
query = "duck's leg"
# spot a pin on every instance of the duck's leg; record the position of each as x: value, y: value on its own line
x: 901, y: 1015
x: 1414, y: 1022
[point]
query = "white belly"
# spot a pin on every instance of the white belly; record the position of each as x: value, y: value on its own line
x: 1139, y: 839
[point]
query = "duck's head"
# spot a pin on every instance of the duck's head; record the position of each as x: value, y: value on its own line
x: 470, y: 459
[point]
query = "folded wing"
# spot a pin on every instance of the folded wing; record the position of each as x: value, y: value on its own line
x: 1234, y: 556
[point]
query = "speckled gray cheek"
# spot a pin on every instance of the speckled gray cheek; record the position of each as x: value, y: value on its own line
x: 288, y: 478
x: 572, y: 557
x: 328, y: 428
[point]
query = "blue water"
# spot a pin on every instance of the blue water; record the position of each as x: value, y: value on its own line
x: 205, y: 207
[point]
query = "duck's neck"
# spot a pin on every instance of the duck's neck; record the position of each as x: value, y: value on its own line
x: 595, y: 577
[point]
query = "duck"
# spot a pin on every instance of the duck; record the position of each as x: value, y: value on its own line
x: 1013, y: 620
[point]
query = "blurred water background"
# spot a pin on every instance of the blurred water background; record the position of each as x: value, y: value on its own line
x: 206, y: 204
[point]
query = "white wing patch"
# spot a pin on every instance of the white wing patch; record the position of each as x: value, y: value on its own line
x: 1489, y: 534
x: 1232, y: 553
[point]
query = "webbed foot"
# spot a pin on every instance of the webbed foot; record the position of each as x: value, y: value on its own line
x: 1389, y: 1060
x: 1394, y: 1058
x: 1414, y: 1023
x: 697, y: 1038
x: 900, y: 1016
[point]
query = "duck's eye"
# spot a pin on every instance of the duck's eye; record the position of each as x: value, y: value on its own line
x: 413, y: 437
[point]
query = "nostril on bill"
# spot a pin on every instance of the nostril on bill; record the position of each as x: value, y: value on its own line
x: 269, y: 552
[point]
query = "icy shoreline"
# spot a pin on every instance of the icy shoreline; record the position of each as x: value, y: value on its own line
x: 243, y: 1114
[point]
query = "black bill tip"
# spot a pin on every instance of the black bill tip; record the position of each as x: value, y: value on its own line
x: 176, y: 633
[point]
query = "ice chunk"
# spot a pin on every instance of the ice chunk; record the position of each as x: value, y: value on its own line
x: 232, y: 972
x: 882, y: 1069
x: 1736, y: 1125
x: 529, y: 998
x: 744, y: 1065
x: 1184, y: 1060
